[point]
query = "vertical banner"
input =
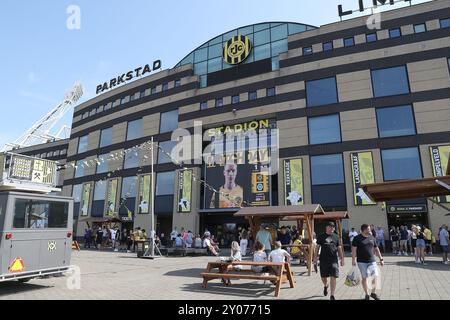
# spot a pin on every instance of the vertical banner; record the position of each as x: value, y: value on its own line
x: 2, y: 165
x: 184, y: 193
x: 86, y: 199
x: 439, y: 161
x: 145, y: 194
x: 293, y: 182
x: 111, y: 197
x: 362, y: 173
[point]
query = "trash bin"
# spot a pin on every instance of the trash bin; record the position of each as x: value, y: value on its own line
x: 141, y: 248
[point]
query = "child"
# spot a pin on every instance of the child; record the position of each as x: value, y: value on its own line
x: 259, y: 256
x: 279, y: 255
x: 236, y: 254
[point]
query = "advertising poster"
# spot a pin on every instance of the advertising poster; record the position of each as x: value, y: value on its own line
x: 293, y: 182
x: 111, y: 197
x: 238, y: 171
x: 362, y: 173
x: 184, y: 197
x: 85, y: 200
x: 145, y: 185
x: 439, y: 161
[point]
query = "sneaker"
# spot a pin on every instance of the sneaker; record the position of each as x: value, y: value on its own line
x: 367, y: 297
x: 374, y: 296
x: 417, y: 262
x: 405, y: 254
x: 332, y: 298
x: 399, y: 254
x: 325, y: 291
x: 446, y: 263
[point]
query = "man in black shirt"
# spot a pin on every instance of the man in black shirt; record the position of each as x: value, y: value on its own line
x: 330, y: 246
x: 363, y: 248
x: 284, y: 237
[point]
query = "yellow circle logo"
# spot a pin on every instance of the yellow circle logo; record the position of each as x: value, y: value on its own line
x: 237, y: 49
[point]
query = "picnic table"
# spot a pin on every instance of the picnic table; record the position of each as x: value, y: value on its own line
x: 304, y: 249
x: 226, y: 272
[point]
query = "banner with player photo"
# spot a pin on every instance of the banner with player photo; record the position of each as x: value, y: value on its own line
x: 111, y: 197
x: 86, y: 199
x: 238, y: 170
x: 184, y: 194
x: 439, y: 161
x: 145, y: 194
x: 362, y: 173
x: 293, y: 182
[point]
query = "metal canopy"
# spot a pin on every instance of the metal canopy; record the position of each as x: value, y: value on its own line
x: 408, y: 189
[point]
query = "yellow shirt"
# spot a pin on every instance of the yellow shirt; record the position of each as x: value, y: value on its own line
x: 229, y: 198
x: 296, y: 250
x: 427, y: 234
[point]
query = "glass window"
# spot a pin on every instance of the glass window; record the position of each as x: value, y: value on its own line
x: 327, y: 46
x: 325, y: 129
x: 395, y: 121
x: 321, y: 92
x: 307, y: 51
x: 40, y: 214
x: 252, y: 95
x: 203, y: 105
x: 270, y: 92
x: 235, y: 99
x: 108, y: 106
x: 401, y: 164
x: 203, y: 81
x: 153, y: 90
x: 100, y: 190
x: 129, y: 187
x: 201, y: 68
x: 134, y: 130
x: 63, y: 151
x: 188, y: 60
x: 169, y: 121
x: 142, y: 93
x: 261, y: 26
x: 167, y: 146
x: 79, y: 169
x: 215, y: 51
x: 390, y: 81
x: 371, y: 37
x: 102, y: 165
x: 279, y: 47
x: 164, y: 183
x: 445, y: 23
x: 419, y: 28
x: 262, y: 37
x: 215, y: 65
x: 83, y: 144
x: 76, y: 193
x: 246, y: 31
x: 295, y: 28
x: 395, y: 33
x: 100, y: 108
x: 262, y: 52
x: 165, y: 87
x: 327, y: 169
x: 126, y: 99
x: 201, y: 55
x: 105, y: 137
x: 349, y: 42
x: 132, y: 159
x: 93, y: 111
x: 280, y: 32
x: 85, y: 115
x: 275, y: 63
x: 219, y: 102
x: 177, y: 83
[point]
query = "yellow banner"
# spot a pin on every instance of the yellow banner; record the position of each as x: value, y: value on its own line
x: 86, y: 199
x: 184, y: 191
x: 439, y: 161
x: 362, y: 173
x: 293, y: 182
x: 145, y: 194
x: 111, y: 197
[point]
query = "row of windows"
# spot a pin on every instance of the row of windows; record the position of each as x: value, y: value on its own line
x: 372, y: 37
x: 235, y: 99
x: 168, y: 122
x: 385, y: 82
x: 50, y: 154
x: 392, y: 122
x: 138, y: 95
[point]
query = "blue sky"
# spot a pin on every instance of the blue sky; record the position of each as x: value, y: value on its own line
x: 40, y: 58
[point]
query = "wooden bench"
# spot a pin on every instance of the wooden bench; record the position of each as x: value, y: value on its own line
x: 211, y: 276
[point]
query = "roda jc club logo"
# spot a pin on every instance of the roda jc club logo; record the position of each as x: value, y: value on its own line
x: 237, y: 49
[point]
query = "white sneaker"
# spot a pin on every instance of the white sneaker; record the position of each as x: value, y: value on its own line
x: 405, y: 254
x: 446, y: 263
x: 399, y: 254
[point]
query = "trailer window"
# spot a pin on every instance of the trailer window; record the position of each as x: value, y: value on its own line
x: 40, y: 214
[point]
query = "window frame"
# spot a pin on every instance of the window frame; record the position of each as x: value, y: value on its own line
x: 398, y: 94
x: 216, y: 104
x: 322, y: 116
x: 371, y: 34
x: 307, y: 51
x: 161, y: 122
x: 352, y: 38
x: 420, y: 24
x: 101, y: 135
x: 325, y: 43
x: 327, y: 184
x: 320, y: 105
x: 442, y: 21
x: 387, y: 149
x: 252, y: 95
x: 392, y: 107
x: 128, y: 126
x: 87, y: 144
x: 394, y: 29
x: 237, y: 97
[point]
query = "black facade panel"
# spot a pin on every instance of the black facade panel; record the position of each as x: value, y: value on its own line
x: 330, y: 196
x: 164, y: 205
x: 97, y: 208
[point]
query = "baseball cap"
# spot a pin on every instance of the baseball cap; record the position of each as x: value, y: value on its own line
x: 331, y: 224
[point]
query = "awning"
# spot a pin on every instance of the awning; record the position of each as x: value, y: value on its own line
x: 408, y: 189
x: 281, y: 211
x: 328, y: 216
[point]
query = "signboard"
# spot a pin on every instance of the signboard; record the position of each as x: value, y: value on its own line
x: 439, y: 161
x: 362, y: 173
x: 362, y: 8
x: 237, y: 171
x: 420, y: 208
x: 85, y: 199
x: 32, y: 170
x: 111, y: 197
x: 237, y: 49
x: 293, y: 182
x: 184, y: 193
x: 145, y: 186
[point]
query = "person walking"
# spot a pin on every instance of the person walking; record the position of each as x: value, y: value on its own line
x: 413, y: 235
x: 330, y: 248
x: 380, y: 238
x: 265, y: 237
x: 428, y: 234
x: 444, y: 242
x: 99, y: 238
x: 114, y: 233
x: 394, y: 237
x: 403, y: 241
x: 243, y: 242
x: 87, y: 238
x: 420, y: 246
x: 364, y: 249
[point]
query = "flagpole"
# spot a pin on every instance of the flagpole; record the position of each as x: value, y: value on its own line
x: 153, y: 201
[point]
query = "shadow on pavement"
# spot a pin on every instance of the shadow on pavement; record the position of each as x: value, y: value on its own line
x: 430, y: 265
x: 251, y: 290
x: 188, y: 273
x: 12, y: 287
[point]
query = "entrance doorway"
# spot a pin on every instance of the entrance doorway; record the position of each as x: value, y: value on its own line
x: 408, y: 219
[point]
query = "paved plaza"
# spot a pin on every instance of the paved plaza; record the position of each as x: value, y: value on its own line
x: 108, y: 275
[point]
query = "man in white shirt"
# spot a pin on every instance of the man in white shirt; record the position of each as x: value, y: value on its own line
x: 444, y: 242
x: 173, y: 236
x: 279, y: 255
x: 113, y: 232
x: 352, y: 234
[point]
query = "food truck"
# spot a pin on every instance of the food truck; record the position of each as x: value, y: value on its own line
x: 35, y: 222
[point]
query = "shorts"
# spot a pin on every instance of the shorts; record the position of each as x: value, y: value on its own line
x: 368, y: 269
x: 403, y: 242
x: 413, y: 243
x: 329, y: 269
x: 446, y: 249
x: 427, y: 242
x: 394, y: 243
x: 420, y: 243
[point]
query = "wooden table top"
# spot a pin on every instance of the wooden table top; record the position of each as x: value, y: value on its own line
x: 250, y: 263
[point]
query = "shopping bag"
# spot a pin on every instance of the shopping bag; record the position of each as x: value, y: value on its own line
x: 353, y: 278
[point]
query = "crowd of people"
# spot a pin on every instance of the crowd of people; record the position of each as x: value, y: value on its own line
x: 106, y: 237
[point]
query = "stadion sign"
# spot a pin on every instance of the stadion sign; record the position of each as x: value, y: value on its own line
x: 128, y: 76
x: 375, y: 3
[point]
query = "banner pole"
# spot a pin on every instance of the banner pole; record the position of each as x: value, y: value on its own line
x: 153, y: 201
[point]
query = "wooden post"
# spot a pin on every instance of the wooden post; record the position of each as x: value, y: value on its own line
x: 310, y: 242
